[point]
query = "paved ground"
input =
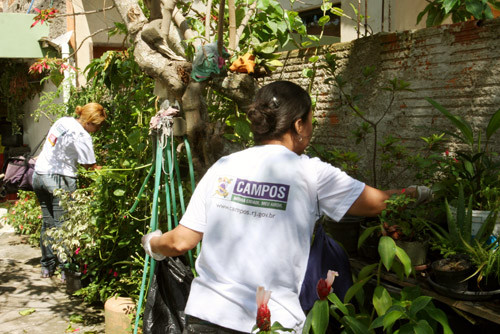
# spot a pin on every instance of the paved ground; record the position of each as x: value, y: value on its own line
x: 47, y: 307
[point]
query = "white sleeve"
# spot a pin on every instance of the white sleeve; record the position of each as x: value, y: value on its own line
x: 195, y: 215
x: 337, y: 191
x: 85, y: 150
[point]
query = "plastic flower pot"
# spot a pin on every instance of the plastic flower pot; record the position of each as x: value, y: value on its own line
x: 345, y: 232
x: 73, y: 281
x: 452, y: 273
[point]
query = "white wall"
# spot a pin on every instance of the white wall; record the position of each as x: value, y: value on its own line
x: 86, y: 25
x: 33, y: 132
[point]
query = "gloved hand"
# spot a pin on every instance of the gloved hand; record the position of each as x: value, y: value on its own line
x: 145, y: 240
x: 424, y: 194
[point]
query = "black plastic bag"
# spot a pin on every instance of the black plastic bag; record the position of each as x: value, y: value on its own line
x: 167, y: 297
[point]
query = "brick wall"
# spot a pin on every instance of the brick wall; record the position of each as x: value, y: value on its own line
x: 457, y: 65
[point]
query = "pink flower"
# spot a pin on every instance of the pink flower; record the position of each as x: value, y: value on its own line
x: 324, y: 287
x: 39, y: 217
x: 85, y: 268
x: 263, y: 313
x: 403, y: 190
x: 115, y: 274
x: 77, y: 251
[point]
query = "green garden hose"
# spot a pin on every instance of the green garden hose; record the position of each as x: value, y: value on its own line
x: 170, y: 201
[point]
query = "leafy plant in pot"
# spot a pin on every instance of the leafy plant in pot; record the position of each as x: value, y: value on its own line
x: 458, y: 245
x: 474, y: 166
x: 407, y: 224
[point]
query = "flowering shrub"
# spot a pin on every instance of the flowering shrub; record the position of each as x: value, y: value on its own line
x: 25, y: 216
x: 53, y: 68
x: 75, y: 240
x: 44, y: 15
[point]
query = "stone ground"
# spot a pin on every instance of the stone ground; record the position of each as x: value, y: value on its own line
x: 22, y: 289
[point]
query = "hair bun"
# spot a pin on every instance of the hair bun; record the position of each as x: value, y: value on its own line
x: 78, y: 110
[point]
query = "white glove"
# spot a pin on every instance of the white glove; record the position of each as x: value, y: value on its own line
x: 147, y: 245
x: 424, y: 194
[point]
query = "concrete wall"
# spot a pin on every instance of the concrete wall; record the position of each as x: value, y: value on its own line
x: 456, y: 65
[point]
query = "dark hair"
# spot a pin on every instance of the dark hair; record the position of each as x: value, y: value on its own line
x: 276, y: 108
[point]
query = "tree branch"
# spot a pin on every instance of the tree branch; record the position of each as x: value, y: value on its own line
x: 89, y: 36
x: 208, y: 17
x: 89, y: 12
x: 246, y: 19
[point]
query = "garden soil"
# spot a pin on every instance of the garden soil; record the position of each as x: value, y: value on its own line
x: 30, y: 304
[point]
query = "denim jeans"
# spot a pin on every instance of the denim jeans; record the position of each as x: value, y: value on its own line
x: 198, y: 326
x: 44, y: 186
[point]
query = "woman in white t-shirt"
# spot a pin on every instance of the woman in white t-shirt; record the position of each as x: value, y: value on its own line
x: 256, y: 210
x: 68, y: 144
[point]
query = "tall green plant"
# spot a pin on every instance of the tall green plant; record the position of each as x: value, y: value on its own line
x: 476, y: 168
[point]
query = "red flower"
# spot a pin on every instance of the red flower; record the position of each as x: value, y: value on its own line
x: 115, y: 274
x: 263, y: 313
x: 324, y: 287
x: 77, y: 251
x: 21, y: 227
x: 447, y: 153
x: 85, y: 268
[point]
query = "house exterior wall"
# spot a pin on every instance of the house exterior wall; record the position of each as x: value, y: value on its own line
x: 457, y: 65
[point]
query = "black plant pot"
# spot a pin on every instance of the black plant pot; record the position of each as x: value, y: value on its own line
x: 73, y: 281
x: 345, y: 232
x: 369, y: 249
x: 452, y: 273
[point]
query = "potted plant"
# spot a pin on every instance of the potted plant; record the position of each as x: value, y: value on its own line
x: 458, y: 245
x: 473, y: 166
x: 407, y: 223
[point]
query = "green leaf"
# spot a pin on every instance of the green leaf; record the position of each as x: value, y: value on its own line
x: 320, y: 316
x: 387, y: 251
x: 307, y: 324
x: 405, y: 260
x: 27, y: 311
x: 440, y: 316
x: 323, y: 20
x: 419, y: 304
x: 338, y: 303
x: 448, y: 5
x: 366, y: 233
x: 76, y: 318
x: 307, y: 72
x: 367, y: 270
x: 423, y: 327
x: 355, y: 325
x: 493, y: 124
x: 353, y: 290
x: 475, y: 8
x: 119, y: 192
x: 381, y: 300
x: 391, y: 317
x: 463, y: 126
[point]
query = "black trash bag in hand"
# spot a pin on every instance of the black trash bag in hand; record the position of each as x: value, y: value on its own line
x: 167, y: 297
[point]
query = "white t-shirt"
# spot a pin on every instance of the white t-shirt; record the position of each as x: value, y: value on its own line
x: 67, y: 144
x: 257, y: 209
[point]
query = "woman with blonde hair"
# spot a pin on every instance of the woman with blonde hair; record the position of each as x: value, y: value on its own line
x: 68, y: 144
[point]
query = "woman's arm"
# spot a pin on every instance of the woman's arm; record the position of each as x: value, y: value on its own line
x: 371, y: 202
x: 176, y: 242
